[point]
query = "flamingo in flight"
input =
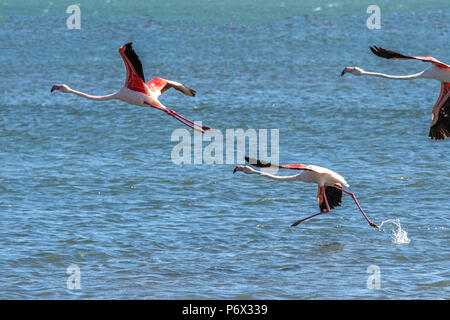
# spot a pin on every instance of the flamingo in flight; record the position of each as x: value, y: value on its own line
x: 329, y: 184
x: 440, y: 115
x: 138, y: 92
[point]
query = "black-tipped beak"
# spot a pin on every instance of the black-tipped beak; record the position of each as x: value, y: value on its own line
x: 234, y: 171
x: 343, y: 72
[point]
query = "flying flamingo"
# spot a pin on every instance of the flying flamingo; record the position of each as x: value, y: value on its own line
x: 329, y: 183
x: 440, y: 115
x: 136, y: 91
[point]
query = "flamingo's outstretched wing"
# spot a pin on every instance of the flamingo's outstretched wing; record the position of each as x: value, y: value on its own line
x: 392, y: 55
x: 263, y: 164
x: 440, y: 123
x: 135, y: 75
x: 160, y: 85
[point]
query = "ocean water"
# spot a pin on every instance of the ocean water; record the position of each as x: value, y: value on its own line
x: 92, y: 184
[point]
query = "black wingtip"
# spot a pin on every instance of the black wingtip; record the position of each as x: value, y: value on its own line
x: 258, y: 163
x: 134, y: 59
x: 334, y: 197
x: 441, y: 129
x: 378, y: 51
x: 388, y: 54
x: 251, y: 161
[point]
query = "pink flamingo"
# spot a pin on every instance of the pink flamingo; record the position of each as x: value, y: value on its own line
x: 136, y: 91
x: 329, y: 184
x: 440, y: 115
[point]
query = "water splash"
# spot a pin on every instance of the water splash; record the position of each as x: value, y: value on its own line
x: 399, y: 236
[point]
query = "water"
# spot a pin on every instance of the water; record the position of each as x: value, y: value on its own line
x: 399, y: 236
x: 92, y: 184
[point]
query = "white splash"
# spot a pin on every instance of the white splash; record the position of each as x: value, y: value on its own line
x: 399, y: 236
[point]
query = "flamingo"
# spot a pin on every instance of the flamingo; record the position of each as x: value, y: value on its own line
x: 136, y: 91
x: 440, y: 115
x: 329, y: 184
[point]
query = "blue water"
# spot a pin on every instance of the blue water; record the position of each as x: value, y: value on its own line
x: 92, y: 184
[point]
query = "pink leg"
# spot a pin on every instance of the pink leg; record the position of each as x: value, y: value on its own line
x: 359, y: 207
x: 190, y: 126
x: 177, y: 116
x: 322, y: 190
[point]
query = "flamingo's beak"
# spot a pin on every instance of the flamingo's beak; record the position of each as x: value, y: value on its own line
x: 235, y: 169
x: 53, y: 88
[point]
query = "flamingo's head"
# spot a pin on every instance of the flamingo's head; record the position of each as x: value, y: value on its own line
x: 244, y: 169
x: 60, y: 87
x: 353, y: 70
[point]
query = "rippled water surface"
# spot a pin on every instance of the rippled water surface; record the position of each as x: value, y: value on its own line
x: 92, y: 184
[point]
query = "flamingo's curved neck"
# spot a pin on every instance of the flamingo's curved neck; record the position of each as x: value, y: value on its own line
x: 97, y: 98
x: 388, y: 76
x: 279, y: 178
